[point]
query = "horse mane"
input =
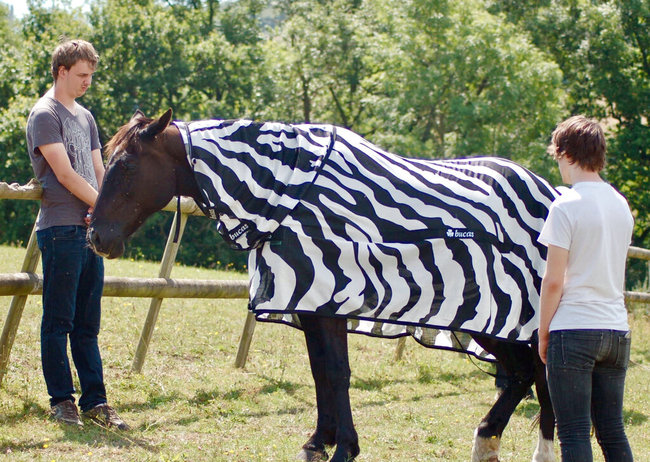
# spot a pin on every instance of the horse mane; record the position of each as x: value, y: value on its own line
x: 126, y: 134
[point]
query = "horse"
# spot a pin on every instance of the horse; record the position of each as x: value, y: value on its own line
x: 270, y: 188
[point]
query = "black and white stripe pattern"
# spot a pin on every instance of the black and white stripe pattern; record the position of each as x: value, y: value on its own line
x: 398, y: 246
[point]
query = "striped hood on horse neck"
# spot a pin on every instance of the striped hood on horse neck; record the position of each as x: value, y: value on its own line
x: 251, y: 174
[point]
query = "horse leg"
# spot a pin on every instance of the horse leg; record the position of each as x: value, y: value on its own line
x: 326, y: 340
x: 325, y: 433
x: 544, y: 452
x: 517, y: 360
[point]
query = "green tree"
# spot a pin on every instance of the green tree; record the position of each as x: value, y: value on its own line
x: 469, y: 83
x: 9, y: 65
x: 25, y: 66
x: 317, y: 59
x: 226, y: 65
x: 603, y: 49
x: 142, y: 63
x: 14, y: 167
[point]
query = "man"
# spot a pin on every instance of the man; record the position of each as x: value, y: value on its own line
x: 65, y: 152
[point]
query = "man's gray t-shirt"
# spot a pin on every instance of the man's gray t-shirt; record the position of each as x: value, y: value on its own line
x: 51, y: 122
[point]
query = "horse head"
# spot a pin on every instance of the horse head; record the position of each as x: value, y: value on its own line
x: 146, y: 168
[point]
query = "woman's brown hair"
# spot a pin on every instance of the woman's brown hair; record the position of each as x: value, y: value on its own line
x: 582, y: 140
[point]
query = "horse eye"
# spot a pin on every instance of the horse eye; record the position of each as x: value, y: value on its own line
x: 125, y: 164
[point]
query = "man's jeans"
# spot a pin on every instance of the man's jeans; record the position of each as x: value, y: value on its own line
x: 586, y: 376
x: 73, y: 279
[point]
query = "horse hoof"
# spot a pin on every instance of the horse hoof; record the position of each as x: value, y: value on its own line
x: 485, y: 449
x: 308, y: 455
x: 544, y: 452
x: 344, y: 456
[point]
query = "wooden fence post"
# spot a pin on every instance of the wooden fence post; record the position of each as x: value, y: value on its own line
x: 17, y: 305
x: 169, y: 256
x: 245, y: 341
x: 399, y: 349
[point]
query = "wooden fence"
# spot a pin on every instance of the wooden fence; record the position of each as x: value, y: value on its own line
x: 26, y: 283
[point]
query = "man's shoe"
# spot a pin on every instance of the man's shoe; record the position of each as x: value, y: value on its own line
x: 105, y: 416
x: 66, y: 412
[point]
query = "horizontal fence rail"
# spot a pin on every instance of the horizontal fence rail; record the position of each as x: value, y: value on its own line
x: 33, y: 191
x: 641, y: 297
x: 638, y: 252
x: 641, y: 254
x: 32, y: 284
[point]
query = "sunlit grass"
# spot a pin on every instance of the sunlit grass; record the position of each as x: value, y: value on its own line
x: 191, y: 404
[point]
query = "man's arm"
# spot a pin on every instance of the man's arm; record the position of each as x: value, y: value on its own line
x: 552, y: 288
x: 98, y: 165
x: 57, y: 158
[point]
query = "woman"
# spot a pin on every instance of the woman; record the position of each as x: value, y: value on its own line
x: 584, y: 336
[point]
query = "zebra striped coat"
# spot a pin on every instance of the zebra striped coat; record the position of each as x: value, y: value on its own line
x: 338, y: 227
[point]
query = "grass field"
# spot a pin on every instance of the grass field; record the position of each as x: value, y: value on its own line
x: 191, y: 404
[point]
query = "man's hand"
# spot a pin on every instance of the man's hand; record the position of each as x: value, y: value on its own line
x: 88, y: 216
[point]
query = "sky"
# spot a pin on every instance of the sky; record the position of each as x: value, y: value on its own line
x: 20, y: 6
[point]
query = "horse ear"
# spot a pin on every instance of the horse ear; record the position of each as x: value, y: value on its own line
x: 157, y: 126
x: 137, y: 114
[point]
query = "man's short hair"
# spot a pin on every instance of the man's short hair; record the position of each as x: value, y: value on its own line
x: 582, y: 140
x: 69, y: 52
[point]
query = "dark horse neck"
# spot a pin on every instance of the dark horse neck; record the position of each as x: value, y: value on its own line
x: 172, y: 145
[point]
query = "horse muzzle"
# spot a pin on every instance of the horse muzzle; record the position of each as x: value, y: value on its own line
x: 104, y: 247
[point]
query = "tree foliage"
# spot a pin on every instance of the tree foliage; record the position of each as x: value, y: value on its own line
x: 603, y: 50
x: 469, y: 83
x: 429, y: 78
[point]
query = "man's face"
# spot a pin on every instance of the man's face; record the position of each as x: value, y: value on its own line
x: 77, y: 79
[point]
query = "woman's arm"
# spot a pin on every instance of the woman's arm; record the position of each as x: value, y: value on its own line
x: 552, y: 287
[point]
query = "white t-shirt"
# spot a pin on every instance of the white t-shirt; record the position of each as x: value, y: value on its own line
x: 593, y: 222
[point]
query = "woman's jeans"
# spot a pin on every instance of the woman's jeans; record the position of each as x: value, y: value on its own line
x: 73, y: 280
x: 586, y: 377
